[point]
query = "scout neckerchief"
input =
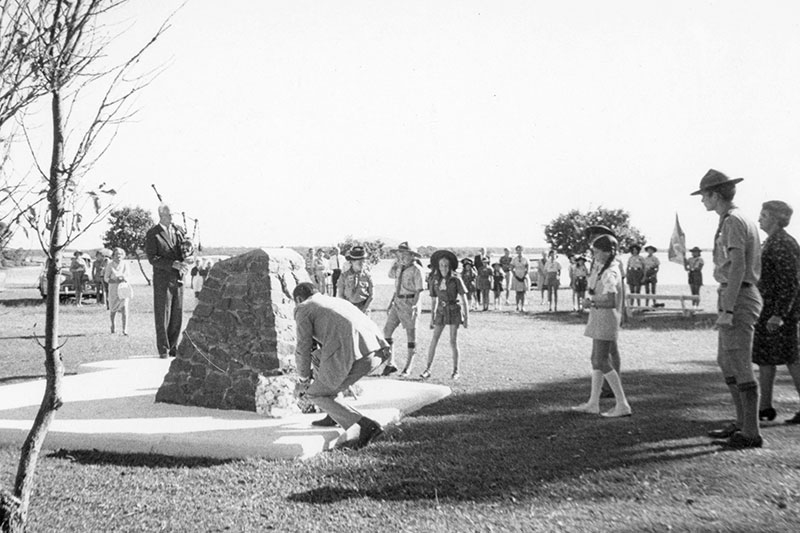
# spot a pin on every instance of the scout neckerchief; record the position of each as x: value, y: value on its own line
x: 400, y: 279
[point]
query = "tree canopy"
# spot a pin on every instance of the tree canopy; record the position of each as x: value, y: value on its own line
x: 127, y: 229
x: 566, y: 233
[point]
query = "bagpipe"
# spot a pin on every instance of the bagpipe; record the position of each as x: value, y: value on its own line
x: 186, y: 247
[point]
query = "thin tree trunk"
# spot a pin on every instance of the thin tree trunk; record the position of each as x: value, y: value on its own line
x: 54, y: 366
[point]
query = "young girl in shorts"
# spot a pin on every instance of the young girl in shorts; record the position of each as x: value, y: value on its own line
x: 449, y: 306
x: 605, y: 311
x: 468, y: 276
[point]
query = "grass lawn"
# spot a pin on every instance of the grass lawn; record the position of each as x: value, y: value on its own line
x: 502, y: 453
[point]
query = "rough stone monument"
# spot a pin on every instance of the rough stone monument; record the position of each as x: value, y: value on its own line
x: 238, y: 347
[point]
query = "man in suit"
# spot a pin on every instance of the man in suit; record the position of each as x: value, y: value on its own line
x: 351, y: 346
x: 163, y: 246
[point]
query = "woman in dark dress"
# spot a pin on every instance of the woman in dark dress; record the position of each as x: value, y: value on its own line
x: 775, y: 341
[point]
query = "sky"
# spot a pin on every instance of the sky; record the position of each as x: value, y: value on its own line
x: 454, y: 123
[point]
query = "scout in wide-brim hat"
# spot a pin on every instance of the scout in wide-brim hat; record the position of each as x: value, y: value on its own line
x: 713, y: 179
x: 447, y: 254
x: 404, y: 247
x: 580, y: 258
x: 696, y: 249
x: 356, y: 253
x: 466, y: 261
x: 650, y: 247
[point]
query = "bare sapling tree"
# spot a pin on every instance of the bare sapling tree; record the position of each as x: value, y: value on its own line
x: 71, y: 52
x: 20, y: 86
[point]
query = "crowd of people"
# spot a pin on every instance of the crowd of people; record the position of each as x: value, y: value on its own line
x: 338, y: 343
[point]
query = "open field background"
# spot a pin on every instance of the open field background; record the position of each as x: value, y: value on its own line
x: 503, y: 453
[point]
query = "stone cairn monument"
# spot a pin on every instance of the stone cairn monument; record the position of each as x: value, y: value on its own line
x: 238, y: 348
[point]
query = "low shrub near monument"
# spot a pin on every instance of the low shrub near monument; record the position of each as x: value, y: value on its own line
x: 503, y: 453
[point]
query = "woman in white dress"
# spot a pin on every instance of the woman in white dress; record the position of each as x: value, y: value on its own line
x: 119, y: 289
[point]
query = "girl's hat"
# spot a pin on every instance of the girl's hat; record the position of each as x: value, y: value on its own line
x: 496, y: 264
x: 356, y: 253
x: 696, y: 249
x: 466, y: 261
x: 650, y: 247
x: 447, y: 254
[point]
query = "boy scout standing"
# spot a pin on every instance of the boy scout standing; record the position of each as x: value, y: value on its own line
x: 355, y: 284
x: 405, y: 306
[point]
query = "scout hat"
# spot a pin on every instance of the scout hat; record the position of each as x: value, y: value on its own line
x: 712, y: 179
x: 580, y: 258
x: 650, y: 247
x: 356, y: 253
x: 466, y: 261
x: 404, y: 247
x: 696, y: 249
x: 596, y: 230
x: 447, y: 254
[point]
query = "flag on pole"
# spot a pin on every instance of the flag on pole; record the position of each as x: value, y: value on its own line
x: 677, y: 244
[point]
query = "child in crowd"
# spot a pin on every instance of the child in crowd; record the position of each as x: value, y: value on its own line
x: 355, y: 284
x: 580, y: 275
x: 468, y: 276
x: 651, y: 266
x: 605, y: 296
x: 449, y: 306
x: 117, y: 275
x: 519, y: 277
x: 694, y: 266
x: 498, y: 277
x: 484, y: 283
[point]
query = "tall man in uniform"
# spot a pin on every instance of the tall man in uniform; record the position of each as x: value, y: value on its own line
x: 737, y: 267
x: 351, y: 346
x: 162, y: 244
x: 405, y: 306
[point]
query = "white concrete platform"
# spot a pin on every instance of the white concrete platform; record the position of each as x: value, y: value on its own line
x: 110, y: 406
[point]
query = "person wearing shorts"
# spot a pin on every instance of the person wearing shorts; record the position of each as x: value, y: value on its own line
x: 405, y: 305
x: 737, y: 268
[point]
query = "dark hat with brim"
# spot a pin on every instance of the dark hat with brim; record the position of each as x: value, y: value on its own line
x: 496, y: 264
x: 466, y: 261
x: 355, y: 253
x: 650, y: 247
x: 696, y: 249
x: 580, y: 258
x: 447, y: 254
x: 713, y: 179
x: 596, y: 230
x: 636, y: 247
x: 404, y: 247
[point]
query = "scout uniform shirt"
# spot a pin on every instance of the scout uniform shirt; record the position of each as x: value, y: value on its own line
x: 409, y: 281
x: 735, y: 231
x: 355, y: 287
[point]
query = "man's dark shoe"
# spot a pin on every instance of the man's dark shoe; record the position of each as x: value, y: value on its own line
x: 723, y: 433
x: 739, y: 442
x: 326, y: 422
x: 389, y: 369
x: 370, y: 430
x: 795, y: 419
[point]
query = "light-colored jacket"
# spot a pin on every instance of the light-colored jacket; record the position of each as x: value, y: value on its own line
x: 344, y: 332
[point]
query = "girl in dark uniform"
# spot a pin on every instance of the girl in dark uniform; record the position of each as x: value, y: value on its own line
x: 449, y: 306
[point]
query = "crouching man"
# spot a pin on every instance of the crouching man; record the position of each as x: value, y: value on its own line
x: 352, y: 346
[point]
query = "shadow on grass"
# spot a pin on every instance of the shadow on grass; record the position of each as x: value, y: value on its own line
x: 22, y: 302
x: 33, y: 337
x: 96, y: 457
x: 494, y: 445
x: 15, y: 379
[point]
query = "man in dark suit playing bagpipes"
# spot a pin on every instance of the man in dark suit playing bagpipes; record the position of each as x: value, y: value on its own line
x: 167, y: 250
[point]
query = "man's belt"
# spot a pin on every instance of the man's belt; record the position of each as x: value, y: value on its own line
x: 405, y: 296
x: 745, y: 284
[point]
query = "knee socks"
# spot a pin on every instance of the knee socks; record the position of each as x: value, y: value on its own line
x: 748, y: 392
x: 730, y: 381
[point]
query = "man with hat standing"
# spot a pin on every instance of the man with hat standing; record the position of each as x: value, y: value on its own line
x: 651, y: 267
x: 355, y: 285
x: 737, y: 267
x: 405, y: 306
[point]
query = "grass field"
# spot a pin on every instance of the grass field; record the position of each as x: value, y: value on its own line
x: 502, y: 453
